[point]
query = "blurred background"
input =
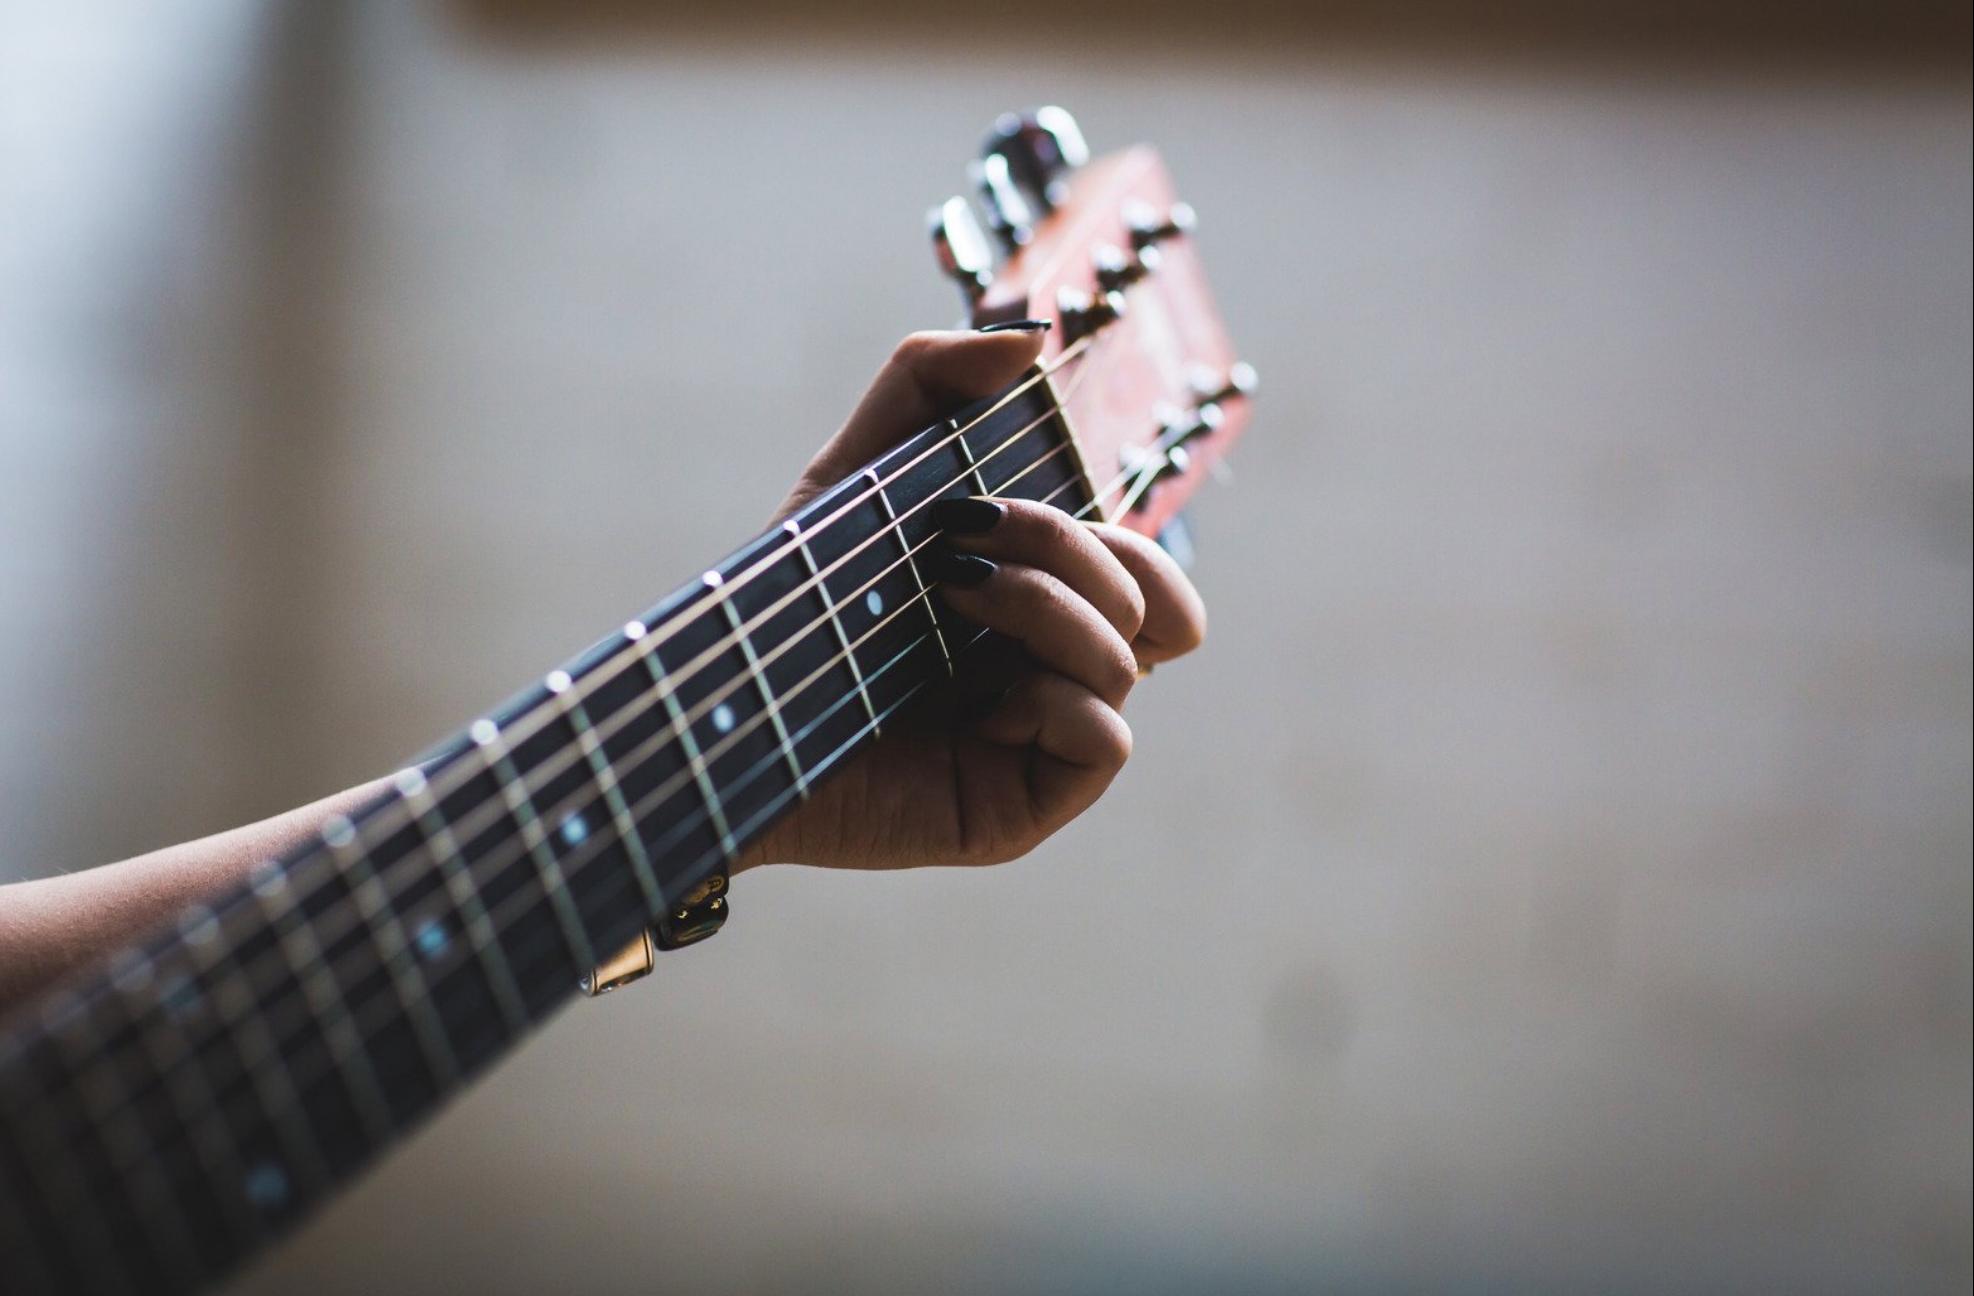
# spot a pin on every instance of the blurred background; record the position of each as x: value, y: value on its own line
x: 1553, y: 874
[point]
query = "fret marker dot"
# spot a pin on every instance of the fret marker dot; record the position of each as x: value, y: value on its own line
x: 558, y: 681
x: 723, y: 718
x: 267, y: 879
x: 431, y: 939
x: 875, y: 602
x: 574, y: 829
x: 131, y: 972
x: 198, y: 926
x: 179, y: 997
x: 484, y: 732
x: 410, y: 782
x: 267, y: 1186
x: 713, y: 579
x: 339, y: 831
x: 634, y: 630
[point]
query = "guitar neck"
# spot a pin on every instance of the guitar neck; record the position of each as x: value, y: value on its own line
x: 167, y: 1118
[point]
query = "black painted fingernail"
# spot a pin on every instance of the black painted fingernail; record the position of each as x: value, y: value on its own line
x: 949, y: 567
x: 1017, y: 326
x: 968, y: 516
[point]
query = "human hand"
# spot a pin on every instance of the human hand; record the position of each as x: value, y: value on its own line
x: 1092, y: 604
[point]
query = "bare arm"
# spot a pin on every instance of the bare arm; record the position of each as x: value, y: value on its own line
x: 1094, y: 605
x: 54, y: 926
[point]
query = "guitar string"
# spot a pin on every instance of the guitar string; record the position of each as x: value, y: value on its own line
x: 645, y: 803
x: 636, y: 650
x: 739, y: 632
x: 649, y: 801
x: 511, y: 910
x: 672, y: 786
x: 1146, y: 477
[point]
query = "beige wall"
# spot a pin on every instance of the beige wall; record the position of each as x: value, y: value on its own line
x: 1553, y: 872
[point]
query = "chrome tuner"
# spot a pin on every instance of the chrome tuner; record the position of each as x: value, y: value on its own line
x: 1084, y: 313
x: 1148, y: 227
x: 1239, y: 383
x: 961, y: 246
x: 1042, y: 147
x: 1205, y: 420
x: 1008, y: 212
x: 1118, y: 269
x: 1177, y: 461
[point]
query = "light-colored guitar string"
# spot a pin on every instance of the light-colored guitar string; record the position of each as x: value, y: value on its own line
x: 504, y: 921
x: 657, y: 796
x: 646, y: 803
x: 515, y: 907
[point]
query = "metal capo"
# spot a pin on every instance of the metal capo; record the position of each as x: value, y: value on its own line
x: 701, y: 912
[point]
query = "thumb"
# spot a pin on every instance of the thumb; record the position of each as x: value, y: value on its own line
x: 925, y: 378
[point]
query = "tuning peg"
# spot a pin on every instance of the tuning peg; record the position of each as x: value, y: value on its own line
x: 1148, y: 227
x: 1118, y: 269
x: 1041, y: 147
x: 1084, y: 313
x: 1203, y: 420
x: 1008, y: 212
x: 961, y: 246
x: 1238, y: 383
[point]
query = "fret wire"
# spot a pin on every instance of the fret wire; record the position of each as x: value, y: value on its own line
x: 1053, y: 411
x: 187, y: 1088
x: 672, y: 704
x: 514, y: 791
x: 966, y: 451
x: 198, y: 928
x: 180, y: 1080
x: 400, y: 965
x: 694, y: 761
x: 706, y: 704
x: 464, y: 892
x: 767, y: 695
x: 108, y: 1111
x: 912, y: 563
x: 333, y: 1013
x: 835, y: 614
x: 360, y: 1011
x: 280, y: 1101
x: 863, y: 733
x: 53, y: 1172
x: 605, y: 775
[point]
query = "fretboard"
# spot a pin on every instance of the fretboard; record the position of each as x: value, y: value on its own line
x: 171, y: 1115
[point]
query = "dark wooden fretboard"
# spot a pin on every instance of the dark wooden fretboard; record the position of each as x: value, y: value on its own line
x: 167, y: 1118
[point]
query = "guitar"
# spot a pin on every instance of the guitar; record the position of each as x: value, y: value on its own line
x: 163, y: 1120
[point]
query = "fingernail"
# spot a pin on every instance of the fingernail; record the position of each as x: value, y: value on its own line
x: 967, y: 516
x: 948, y: 567
x: 1016, y: 326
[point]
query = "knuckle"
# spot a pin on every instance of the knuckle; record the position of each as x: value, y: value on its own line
x: 1120, y: 668
x: 1117, y: 739
x: 1134, y: 608
x: 914, y: 347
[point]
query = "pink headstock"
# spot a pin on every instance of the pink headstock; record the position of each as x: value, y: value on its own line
x: 1144, y: 369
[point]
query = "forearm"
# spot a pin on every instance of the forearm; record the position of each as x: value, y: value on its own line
x: 52, y: 927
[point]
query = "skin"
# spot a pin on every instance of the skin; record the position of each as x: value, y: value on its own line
x: 1093, y: 605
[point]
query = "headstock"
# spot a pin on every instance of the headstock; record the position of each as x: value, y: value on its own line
x: 1141, y: 363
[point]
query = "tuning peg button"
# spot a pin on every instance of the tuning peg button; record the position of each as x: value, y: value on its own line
x: 1204, y: 420
x: 961, y: 247
x: 1238, y: 383
x: 1041, y: 147
x: 1149, y: 227
x: 1008, y: 212
x: 1084, y: 313
x: 1118, y: 269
